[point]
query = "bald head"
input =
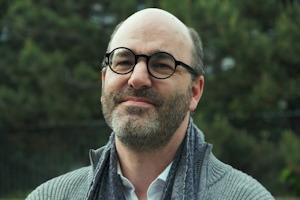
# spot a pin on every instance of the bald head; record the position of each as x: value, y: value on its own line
x: 153, y: 18
x: 155, y: 15
x: 151, y: 30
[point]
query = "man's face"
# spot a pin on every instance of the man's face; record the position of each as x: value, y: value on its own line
x: 144, y: 112
x: 144, y: 127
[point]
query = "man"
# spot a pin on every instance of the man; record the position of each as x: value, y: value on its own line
x: 152, y: 80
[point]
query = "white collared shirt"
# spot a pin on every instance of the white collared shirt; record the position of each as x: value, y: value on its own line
x: 155, y: 189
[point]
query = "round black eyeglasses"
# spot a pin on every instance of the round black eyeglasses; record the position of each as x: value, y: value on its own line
x: 160, y: 65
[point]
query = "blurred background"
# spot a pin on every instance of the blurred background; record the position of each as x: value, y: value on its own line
x: 50, y: 58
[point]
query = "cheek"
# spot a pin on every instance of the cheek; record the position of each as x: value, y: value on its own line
x: 169, y: 87
x: 182, y: 85
x: 113, y: 82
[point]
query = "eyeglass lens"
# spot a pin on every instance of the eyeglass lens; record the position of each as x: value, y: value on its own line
x: 160, y: 64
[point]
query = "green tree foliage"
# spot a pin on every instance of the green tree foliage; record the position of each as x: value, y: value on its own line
x: 51, y: 64
x: 290, y: 175
x: 51, y: 53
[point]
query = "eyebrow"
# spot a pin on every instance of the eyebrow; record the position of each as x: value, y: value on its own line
x: 123, y: 53
x: 149, y: 52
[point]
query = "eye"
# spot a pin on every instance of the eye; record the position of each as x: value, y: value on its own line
x: 124, y: 62
x: 162, y: 64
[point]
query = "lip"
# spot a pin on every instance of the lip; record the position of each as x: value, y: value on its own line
x: 137, y: 101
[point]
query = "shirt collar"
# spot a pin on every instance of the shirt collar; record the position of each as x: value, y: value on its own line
x: 162, y: 176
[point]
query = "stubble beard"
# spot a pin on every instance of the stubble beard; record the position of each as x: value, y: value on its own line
x: 144, y: 129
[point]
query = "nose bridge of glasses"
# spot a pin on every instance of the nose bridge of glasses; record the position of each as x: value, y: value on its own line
x: 145, y: 59
x: 140, y: 76
x: 137, y: 56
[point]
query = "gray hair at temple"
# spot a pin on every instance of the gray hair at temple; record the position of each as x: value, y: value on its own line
x: 197, y: 62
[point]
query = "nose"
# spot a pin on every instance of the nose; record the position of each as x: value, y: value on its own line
x: 140, y: 78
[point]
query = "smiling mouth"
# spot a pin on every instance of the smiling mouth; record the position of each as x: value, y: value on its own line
x: 137, y: 101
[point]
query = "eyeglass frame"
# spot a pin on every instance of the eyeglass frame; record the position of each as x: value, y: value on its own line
x: 148, y: 57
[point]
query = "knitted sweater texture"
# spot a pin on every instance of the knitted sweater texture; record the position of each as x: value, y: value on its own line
x: 219, y: 181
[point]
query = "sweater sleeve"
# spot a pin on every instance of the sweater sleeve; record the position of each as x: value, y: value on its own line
x: 227, y: 183
x: 241, y: 186
x: 73, y: 185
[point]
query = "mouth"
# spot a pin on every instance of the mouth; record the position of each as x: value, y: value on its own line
x: 145, y: 98
x: 137, y: 101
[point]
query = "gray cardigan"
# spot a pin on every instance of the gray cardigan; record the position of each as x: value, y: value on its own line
x: 222, y: 182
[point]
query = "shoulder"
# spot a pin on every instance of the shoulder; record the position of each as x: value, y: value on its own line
x: 72, y: 185
x: 225, y: 182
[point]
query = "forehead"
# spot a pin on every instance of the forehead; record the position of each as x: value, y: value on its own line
x: 152, y: 31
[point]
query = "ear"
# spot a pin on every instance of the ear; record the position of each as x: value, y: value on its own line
x: 197, y: 91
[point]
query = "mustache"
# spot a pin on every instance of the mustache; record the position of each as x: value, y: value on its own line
x: 148, y: 93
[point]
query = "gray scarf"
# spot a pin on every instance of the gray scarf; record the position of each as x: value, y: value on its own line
x: 183, y: 179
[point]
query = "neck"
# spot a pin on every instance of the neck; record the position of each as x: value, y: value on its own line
x: 141, y: 168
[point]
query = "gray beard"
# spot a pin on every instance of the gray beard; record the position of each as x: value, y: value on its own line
x: 141, y: 130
